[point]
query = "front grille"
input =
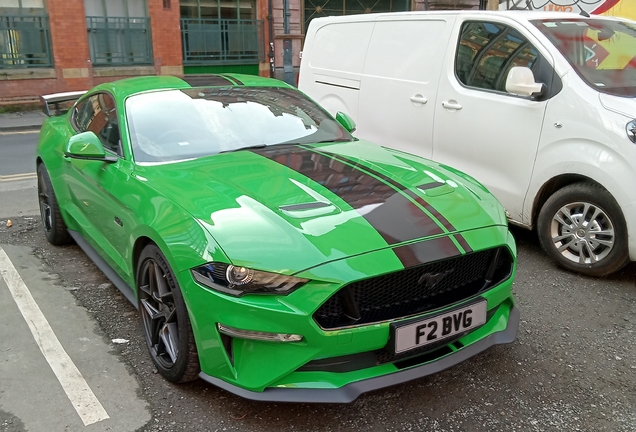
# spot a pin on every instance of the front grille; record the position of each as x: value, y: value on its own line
x: 415, y: 290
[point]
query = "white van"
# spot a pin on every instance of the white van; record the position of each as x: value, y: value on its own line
x: 537, y: 106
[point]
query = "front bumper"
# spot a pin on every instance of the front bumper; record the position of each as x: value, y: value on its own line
x: 350, y: 392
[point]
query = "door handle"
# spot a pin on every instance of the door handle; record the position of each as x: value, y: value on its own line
x: 451, y: 105
x: 418, y: 99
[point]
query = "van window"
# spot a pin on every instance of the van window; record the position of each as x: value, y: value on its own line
x: 487, y: 51
x: 601, y: 51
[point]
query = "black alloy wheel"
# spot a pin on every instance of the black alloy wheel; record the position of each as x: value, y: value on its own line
x: 164, y: 318
x: 52, y: 222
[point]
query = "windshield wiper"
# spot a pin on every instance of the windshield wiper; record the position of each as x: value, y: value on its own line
x: 256, y: 146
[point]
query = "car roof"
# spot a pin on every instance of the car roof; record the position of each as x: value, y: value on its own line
x: 126, y: 87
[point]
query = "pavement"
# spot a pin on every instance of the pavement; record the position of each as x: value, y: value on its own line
x: 21, y: 121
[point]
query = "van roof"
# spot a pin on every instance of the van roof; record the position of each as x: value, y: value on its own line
x: 521, y: 15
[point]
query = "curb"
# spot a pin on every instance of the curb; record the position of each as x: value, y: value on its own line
x: 25, y: 128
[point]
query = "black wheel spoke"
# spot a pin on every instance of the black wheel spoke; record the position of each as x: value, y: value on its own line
x: 170, y: 339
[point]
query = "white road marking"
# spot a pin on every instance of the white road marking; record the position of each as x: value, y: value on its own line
x: 21, y: 132
x: 16, y: 177
x: 80, y: 394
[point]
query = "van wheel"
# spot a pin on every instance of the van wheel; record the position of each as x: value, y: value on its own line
x: 583, y: 229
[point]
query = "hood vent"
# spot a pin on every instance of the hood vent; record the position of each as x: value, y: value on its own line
x: 304, y: 206
x: 307, y: 210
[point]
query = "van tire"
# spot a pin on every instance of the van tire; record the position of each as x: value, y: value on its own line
x: 568, y: 227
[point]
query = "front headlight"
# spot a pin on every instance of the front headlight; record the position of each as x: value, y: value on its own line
x: 631, y: 131
x: 238, y: 281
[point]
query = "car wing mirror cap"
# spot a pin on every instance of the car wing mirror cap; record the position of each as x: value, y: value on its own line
x: 87, y: 146
x: 346, y: 121
x: 520, y: 81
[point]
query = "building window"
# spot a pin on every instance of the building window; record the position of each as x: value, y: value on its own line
x: 321, y: 8
x: 118, y: 32
x: 219, y: 32
x: 24, y: 34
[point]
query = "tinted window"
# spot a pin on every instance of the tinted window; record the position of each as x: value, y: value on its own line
x: 182, y: 124
x: 97, y: 114
x: 487, y: 51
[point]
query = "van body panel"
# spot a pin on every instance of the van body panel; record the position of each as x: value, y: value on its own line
x: 459, y: 138
x: 437, y: 92
x: 404, y: 83
x: 336, y: 67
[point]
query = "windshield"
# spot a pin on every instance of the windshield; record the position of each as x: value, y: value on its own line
x: 602, y: 51
x: 182, y: 124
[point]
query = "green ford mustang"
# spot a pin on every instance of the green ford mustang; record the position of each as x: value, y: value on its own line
x: 268, y: 251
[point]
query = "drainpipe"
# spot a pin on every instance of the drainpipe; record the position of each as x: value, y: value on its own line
x: 288, y: 67
x: 270, y: 21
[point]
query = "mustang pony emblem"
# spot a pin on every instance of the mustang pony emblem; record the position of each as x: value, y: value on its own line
x: 431, y: 279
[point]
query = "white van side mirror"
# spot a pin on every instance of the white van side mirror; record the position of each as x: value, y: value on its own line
x: 520, y: 81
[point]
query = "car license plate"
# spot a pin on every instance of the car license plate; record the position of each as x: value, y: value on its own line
x: 430, y: 330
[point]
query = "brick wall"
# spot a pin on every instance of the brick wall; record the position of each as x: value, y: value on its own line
x: 72, y: 68
x: 166, y: 37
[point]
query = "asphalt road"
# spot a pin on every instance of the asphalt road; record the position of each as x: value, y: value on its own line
x: 572, y: 368
x: 16, y: 152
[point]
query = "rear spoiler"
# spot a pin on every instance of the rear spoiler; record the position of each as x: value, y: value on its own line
x: 59, y: 103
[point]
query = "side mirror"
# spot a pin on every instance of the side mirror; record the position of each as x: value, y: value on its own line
x: 87, y: 146
x: 346, y: 121
x: 520, y: 81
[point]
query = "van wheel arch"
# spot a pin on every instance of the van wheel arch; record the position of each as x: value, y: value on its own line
x: 550, y: 187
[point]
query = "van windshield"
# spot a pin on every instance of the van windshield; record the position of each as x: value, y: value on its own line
x: 603, y: 52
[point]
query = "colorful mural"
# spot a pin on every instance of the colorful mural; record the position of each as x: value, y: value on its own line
x: 621, y: 8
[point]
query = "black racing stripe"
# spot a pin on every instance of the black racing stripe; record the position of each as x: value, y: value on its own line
x: 421, y: 201
x: 207, y: 80
x: 393, y: 215
x: 436, y: 249
x: 233, y: 79
x: 463, y: 243
x: 437, y: 215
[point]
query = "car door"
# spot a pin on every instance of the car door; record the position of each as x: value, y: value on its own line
x: 95, y: 185
x: 481, y: 129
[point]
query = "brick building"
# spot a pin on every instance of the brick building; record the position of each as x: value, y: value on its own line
x: 50, y: 46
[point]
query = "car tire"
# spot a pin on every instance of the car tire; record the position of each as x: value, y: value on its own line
x: 582, y: 228
x: 54, y: 227
x: 164, y: 318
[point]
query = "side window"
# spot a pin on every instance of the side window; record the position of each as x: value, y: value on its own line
x: 487, y: 51
x: 97, y: 114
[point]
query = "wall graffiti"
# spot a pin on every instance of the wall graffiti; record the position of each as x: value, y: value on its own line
x: 622, y: 8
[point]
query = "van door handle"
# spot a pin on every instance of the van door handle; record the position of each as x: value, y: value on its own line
x: 418, y: 99
x: 451, y: 105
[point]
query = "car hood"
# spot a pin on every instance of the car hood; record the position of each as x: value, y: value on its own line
x: 288, y: 208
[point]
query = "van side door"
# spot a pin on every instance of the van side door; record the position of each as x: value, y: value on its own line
x: 399, y: 82
x: 481, y: 129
